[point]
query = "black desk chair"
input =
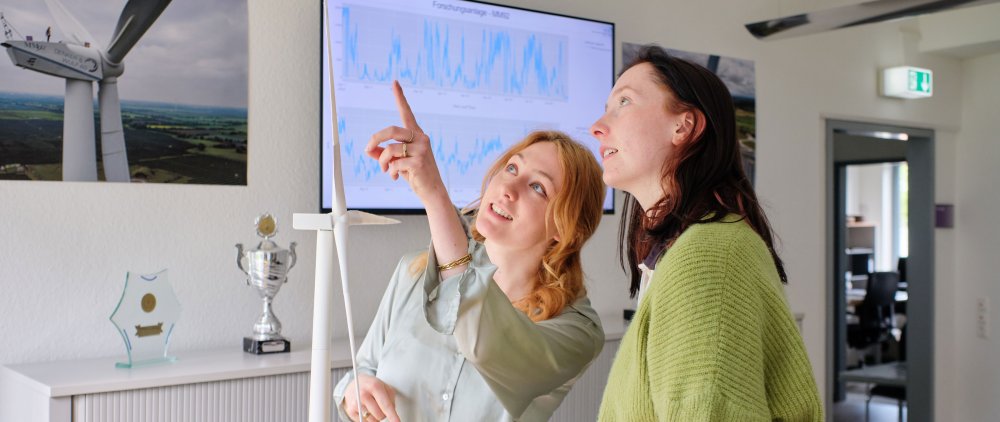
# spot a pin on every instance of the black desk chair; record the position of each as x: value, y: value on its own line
x: 891, y: 391
x: 876, y: 317
x: 901, y: 269
x: 904, y: 283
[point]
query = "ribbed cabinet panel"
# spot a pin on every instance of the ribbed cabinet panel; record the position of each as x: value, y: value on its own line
x: 277, y: 398
x: 584, y: 400
x: 282, y: 398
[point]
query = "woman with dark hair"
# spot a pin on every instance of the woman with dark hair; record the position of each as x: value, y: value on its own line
x: 713, y: 338
x: 494, y: 325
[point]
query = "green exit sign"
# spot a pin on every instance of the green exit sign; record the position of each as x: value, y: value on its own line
x: 919, y: 81
x: 907, y: 82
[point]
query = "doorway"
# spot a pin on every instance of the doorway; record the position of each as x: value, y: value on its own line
x: 864, y: 253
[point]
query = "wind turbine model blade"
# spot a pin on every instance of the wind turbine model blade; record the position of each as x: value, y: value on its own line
x: 136, y: 18
x: 331, y: 238
x: 71, y: 28
x: 328, y: 221
x: 79, y: 155
x: 360, y: 218
x: 331, y: 228
x: 112, y: 136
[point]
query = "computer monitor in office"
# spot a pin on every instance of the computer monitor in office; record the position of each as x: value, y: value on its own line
x: 479, y: 77
x: 901, y: 268
x: 861, y: 263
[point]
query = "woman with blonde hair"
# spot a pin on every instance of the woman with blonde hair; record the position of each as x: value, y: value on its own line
x: 494, y: 325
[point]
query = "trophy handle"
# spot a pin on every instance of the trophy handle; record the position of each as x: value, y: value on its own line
x: 239, y: 258
x: 291, y: 252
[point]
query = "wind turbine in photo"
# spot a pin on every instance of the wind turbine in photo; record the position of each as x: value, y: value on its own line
x: 81, y: 61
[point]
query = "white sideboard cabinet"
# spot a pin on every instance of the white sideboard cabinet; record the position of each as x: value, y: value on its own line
x: 211, y: 386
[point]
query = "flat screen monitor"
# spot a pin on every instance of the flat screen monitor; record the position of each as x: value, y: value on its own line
x: 478, y: 76
x: 861, y: 263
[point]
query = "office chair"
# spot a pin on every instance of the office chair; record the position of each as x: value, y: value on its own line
x: 876, y: 316
x: 890, y: 391
x: 904, y: 284
x: 901, y: 269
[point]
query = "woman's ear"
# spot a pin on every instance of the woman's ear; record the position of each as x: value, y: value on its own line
x: 691, y: 126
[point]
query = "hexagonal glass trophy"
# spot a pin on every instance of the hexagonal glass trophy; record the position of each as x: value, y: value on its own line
x: 145, y: 318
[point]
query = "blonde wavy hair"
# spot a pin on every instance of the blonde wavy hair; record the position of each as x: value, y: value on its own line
x: 576, y: 211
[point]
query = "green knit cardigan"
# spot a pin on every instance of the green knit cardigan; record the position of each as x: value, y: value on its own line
x: 713, y: 339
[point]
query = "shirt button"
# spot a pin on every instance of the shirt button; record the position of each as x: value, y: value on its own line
x: 445, y: 396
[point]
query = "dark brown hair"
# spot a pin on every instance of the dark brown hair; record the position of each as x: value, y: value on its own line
x: 704, y: 180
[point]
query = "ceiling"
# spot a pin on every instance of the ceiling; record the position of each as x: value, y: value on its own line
x: 963, y: 33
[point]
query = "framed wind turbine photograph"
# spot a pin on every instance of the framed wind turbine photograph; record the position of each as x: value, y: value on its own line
x: 138, y: 91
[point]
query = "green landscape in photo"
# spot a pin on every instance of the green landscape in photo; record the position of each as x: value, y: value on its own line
x: 165, y: 143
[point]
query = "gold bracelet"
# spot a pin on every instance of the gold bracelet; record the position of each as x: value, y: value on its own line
x: 463, y: 260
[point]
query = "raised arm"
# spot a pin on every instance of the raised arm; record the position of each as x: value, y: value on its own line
x: 412, y: 158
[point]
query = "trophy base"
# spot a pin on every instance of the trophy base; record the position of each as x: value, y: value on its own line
x: 260, y: 347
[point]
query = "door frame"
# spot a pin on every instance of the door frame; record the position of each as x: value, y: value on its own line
x: 919, y: 155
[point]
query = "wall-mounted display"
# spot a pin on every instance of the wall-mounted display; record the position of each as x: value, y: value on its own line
x: 479, y: 77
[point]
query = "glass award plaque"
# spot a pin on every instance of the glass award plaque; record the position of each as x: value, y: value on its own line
x: 145, y: 318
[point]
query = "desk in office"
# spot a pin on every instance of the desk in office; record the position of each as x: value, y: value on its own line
x: 893, y: 373
x: 855, y: 296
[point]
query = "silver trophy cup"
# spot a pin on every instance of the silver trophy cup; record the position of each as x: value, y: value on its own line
x: 266, y: 267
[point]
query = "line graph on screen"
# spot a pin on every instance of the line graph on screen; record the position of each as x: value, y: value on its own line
x: 430, y: 52
x: 479, y: 77
x: 464, y: 148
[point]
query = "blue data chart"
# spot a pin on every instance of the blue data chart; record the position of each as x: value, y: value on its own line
x: 479, y: 77
x: 463, y: 148
x: 428, y: 52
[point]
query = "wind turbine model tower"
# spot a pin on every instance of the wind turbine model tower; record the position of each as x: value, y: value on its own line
x: 81, y: 61
x: 331, y: 238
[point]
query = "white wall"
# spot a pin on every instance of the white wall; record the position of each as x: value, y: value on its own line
x: 869, y: 195
x: 864, y: 192
x: 67, y: 246
x: 977, y: 235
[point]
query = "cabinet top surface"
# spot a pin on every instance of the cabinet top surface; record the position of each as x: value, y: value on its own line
x: 99, y: 375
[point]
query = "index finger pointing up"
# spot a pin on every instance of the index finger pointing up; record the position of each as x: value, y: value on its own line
x: 405, y: 113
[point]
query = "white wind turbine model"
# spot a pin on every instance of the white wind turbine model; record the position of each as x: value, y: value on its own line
x: 81, y: 61
x: 330, y: 228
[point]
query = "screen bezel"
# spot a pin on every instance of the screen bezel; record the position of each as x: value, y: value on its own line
x: 422, y: 211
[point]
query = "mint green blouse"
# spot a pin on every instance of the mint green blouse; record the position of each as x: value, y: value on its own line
x: 457, y: 350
